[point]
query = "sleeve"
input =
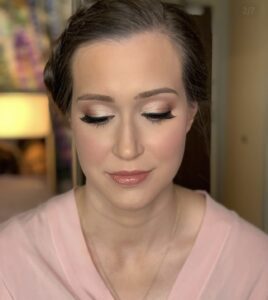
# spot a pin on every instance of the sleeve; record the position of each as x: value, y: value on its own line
x: 4, y: 293
x: 260, y: 290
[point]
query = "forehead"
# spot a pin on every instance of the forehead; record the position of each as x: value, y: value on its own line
x: 149, y: 59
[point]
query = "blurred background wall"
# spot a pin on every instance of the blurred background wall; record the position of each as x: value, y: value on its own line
x: 245, y: 178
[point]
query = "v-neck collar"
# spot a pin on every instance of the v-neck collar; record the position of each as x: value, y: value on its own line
x: 73, y: 254
x: 200, y: 263
x: 84, y: 278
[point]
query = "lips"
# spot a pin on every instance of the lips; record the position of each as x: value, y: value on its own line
x: 129, y: 178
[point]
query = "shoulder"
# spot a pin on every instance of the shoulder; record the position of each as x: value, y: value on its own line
x: 243, y: 241
x: 29, y: 227
x: 228, y: 253
x: 244, y: 252
x: 242, y: 258
x: 27, y: 244
x: 245, y: 236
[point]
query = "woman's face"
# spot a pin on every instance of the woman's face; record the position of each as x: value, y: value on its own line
x: 130, y: 113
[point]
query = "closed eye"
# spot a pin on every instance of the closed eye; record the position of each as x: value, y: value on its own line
x: 153, y: 117
x: 158, y: 117
x: 97, y: 121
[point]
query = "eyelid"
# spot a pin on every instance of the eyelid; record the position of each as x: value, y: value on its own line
x: 95, y: 109
x: 154, y: 117
x: 96, y: 121
x: 158, y: 105
x: 98, y: 116
x: 155, y: 112
x: 159, y: 116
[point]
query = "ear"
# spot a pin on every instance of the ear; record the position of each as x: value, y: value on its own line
x: 192, y: 111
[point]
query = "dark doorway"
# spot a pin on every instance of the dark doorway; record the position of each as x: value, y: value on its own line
x: 194, y: 172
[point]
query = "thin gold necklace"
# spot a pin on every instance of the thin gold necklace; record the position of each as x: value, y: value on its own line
x: 101, y: 269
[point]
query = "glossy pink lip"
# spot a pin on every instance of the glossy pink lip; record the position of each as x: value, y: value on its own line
x: 129, y: 178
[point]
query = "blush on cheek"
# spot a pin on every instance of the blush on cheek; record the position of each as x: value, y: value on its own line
x: 170, y: 143
x: 91, y: 149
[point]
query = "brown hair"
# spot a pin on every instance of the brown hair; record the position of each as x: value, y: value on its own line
x: 117, y: 19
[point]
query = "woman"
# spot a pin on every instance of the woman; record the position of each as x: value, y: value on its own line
x: 129, y: 75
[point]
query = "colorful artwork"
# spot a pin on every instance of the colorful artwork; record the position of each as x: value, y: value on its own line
x: 26, y: 30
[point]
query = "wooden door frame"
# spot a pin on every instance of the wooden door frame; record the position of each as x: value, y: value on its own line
x: 265, y: 197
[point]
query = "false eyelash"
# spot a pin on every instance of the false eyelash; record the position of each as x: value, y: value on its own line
x: 158, y: 117
x: 97, y: 121
x: 153, y: 117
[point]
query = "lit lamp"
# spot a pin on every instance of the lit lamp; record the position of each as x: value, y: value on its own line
x: 24, y: 115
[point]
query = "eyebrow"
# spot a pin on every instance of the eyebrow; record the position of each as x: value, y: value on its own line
x: 143, y: 95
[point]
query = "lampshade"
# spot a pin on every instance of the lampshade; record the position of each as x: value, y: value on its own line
x: 24, y: 115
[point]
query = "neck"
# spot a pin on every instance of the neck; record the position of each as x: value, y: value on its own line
x: 128, y: 231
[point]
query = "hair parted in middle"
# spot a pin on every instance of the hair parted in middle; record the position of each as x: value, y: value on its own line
x: 119, y: 19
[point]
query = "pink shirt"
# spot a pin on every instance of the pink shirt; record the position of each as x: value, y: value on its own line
x: 43, y: 255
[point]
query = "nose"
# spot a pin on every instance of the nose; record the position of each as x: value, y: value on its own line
x: 127, y: 144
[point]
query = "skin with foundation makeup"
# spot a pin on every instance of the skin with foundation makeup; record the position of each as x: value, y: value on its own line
x: 130, y: 118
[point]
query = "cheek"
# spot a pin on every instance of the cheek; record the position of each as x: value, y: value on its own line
x: 169, y: 143
x: 91, y: 148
